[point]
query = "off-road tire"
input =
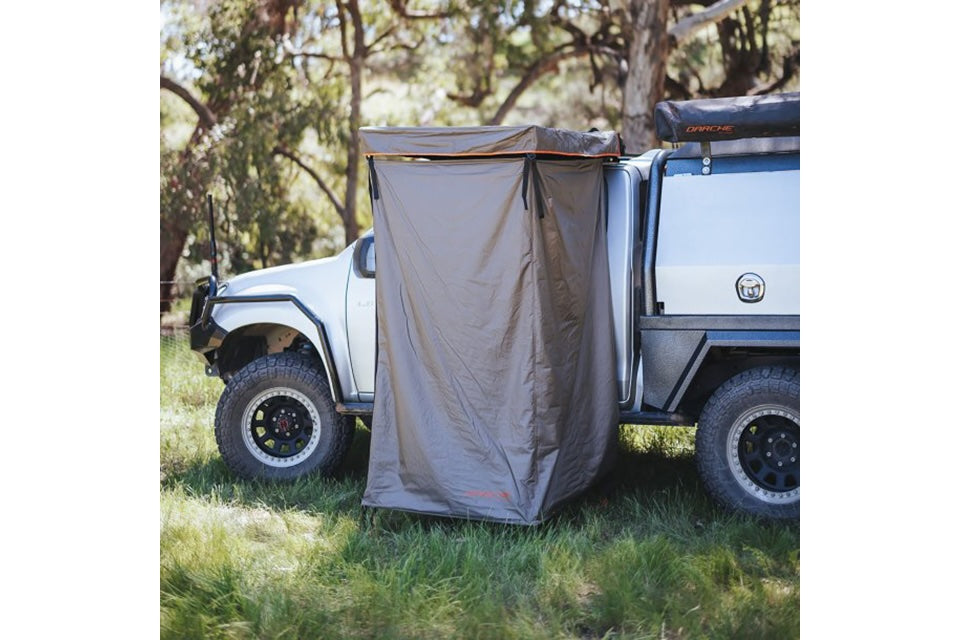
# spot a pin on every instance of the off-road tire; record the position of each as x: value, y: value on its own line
x: 318, y: 438
x: 749, y: 426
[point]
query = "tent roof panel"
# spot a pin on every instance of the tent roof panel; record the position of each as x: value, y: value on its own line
x: 487, y: 141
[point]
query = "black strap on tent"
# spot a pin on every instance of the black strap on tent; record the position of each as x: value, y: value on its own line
x: 374, y: 183
x: 530, y: 165
x: 526, y: 179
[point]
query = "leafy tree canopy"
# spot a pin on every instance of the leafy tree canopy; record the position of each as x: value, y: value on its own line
x: 261, y: 99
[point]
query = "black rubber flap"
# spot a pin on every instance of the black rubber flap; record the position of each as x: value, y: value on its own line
x: 728, y: 118
x: 496, y: 379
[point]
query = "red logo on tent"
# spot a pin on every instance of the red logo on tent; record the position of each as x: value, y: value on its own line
x: 476, y: 493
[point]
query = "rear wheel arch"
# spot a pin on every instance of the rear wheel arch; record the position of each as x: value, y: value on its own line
x: 723, y: 363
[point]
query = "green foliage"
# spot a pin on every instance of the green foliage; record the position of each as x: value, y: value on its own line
x: 648, y: 555
x: 276, y: 74
x: 262, y: 100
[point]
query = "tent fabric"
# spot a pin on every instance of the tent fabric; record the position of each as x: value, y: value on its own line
x: 486, y: 141
x: 728, y: 118
x: 496, y: 380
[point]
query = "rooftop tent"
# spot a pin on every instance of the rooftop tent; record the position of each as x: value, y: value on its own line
x: 496, y: 381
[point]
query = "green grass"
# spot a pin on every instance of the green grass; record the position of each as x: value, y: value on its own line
x: 645, y: 555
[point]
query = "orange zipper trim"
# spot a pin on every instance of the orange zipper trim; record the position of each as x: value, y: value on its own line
x: 493, y: 153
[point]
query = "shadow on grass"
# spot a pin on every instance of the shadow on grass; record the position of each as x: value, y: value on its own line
x: 655, y: 480
x: 643, y: 550
x: 210, y: 479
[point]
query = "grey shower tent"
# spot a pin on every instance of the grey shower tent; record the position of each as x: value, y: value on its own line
x: 496, y: 382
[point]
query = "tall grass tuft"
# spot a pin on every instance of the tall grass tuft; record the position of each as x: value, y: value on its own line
x: 644, y: 555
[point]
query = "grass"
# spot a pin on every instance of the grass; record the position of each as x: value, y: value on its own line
x: 645, y: 555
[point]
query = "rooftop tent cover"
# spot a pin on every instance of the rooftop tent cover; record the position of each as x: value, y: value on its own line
x: 728, y: 118
x: 496, y: 383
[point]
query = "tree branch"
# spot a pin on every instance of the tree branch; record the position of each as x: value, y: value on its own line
x: 685, y: 28
x: 288, y: 48
x: 400, y: 8
x: 791, y: 63
x: 287, y: 153
x: 534, y: 72
x: 399, y: 44
x: 207, y: 119
x: 676, y: 90
x: 371, y: 48
x: 471, y: 100
x: 579, y: 35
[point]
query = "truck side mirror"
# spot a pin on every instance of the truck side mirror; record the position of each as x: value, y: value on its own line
x: 365, y: 257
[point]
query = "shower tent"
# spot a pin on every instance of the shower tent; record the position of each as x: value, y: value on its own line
x: 495, y: 384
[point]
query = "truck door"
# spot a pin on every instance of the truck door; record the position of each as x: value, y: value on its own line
x: 361, y: 315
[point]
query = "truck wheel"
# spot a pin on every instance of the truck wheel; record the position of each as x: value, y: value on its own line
x: 748, y: 443
x: 276, y: 420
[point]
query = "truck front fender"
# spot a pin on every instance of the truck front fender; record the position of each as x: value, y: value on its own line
x: 281, y: 306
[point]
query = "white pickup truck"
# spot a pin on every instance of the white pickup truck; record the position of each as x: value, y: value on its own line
x: 703, y: 250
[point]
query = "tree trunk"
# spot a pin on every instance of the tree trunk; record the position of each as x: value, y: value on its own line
x: 356, y: 61
x: 646, y: 70
x: 172, y: 241
x: 350, y: 229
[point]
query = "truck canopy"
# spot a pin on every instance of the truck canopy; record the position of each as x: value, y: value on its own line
x: 496, y: 372
x: 728, y: 118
